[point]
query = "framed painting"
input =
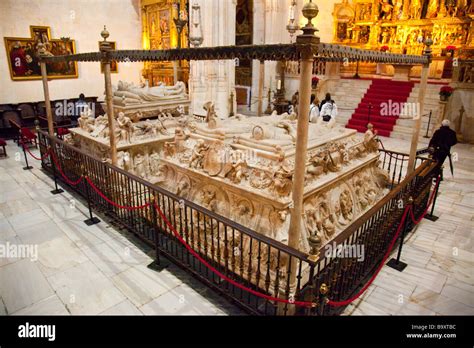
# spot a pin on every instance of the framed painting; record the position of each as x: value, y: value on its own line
x: 23, y: 59
x: 113, y: 63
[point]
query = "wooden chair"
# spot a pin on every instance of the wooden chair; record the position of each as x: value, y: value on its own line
x: 28, y: 137
x: 3, y: 143
x: 12, y: 124
x: 27, y: 113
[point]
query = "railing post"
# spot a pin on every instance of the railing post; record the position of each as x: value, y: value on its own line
x: 396, y: 263
x: 44, y: 77
x: 105, y: 49
x: 158, y: 264
x: 431, y: 215
x: 56, y: 190
x: 92, y: 219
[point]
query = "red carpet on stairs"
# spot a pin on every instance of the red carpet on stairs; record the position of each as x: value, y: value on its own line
x: 380, y: 91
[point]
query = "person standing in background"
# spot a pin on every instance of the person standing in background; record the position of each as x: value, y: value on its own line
x: 314, y: 109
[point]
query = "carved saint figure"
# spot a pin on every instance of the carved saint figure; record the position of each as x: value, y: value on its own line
x: 415, y: 9
x: 154, y: 163
x: 211, y: 116
x: 141, y: 166
x: 432, y: 9
x: 326, y: 221
x: 123, y: 160
x: 346, y: 207
x: 386, y: 9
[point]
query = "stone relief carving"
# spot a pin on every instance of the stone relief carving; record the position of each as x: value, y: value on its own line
x: 199, y: 151
x: 282, y: 180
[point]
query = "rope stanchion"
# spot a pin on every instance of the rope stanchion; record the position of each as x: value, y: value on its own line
x: 223, y: 276
x: 425, y: 212
x: 42, y: 158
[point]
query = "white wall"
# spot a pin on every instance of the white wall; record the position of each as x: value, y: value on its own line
x: 82, y: 21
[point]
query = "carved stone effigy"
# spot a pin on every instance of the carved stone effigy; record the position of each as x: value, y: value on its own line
x: 243, y: 169
x: 139, y: 102
x: 248, y: 165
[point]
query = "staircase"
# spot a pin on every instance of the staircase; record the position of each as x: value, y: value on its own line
x: 380, y: 91
x: 404, y: 127
x: 347, y: 93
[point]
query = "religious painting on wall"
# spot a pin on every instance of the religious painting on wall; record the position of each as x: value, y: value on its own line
x: 23, y: 59
x: 113, y: 63
x: 165, y: 23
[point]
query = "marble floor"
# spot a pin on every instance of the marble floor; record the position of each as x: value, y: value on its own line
x: 79, y: 269
x: 98, y: 270
x: 439, y: 278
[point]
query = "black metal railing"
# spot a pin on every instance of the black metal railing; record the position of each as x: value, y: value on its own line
x: 343, y: 277
x: 259, y: 263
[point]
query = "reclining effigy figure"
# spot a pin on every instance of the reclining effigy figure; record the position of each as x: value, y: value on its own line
x: 128, y: 93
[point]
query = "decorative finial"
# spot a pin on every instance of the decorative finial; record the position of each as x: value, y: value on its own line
x: 310, y: 11
x: 428, y: 52
x: 104, y: 33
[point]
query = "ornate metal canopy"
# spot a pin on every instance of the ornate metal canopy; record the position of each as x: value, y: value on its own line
x: 287, y: 52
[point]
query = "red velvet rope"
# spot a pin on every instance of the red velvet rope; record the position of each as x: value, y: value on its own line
x: 69, y: 181
x: 32, y: 155
x: 113, y: 203
x: 223, y: 276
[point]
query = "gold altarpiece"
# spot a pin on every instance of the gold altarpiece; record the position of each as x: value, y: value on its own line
x: 402, y: 25
x: 159, y: 31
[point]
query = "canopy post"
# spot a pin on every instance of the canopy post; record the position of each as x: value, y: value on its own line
x: 308, y: 47
x: 44, y: 77
x: 421, y: 103
x: 105, y: 48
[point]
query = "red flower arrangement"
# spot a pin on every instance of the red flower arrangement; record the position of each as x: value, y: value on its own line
x: 450, y: 48
x: 446, y: 91
x: 384, y: 48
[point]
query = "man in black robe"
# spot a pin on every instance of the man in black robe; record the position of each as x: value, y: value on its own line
x: 442, y: 141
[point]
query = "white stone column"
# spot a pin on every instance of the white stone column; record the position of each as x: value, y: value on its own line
x: 214, y: 80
